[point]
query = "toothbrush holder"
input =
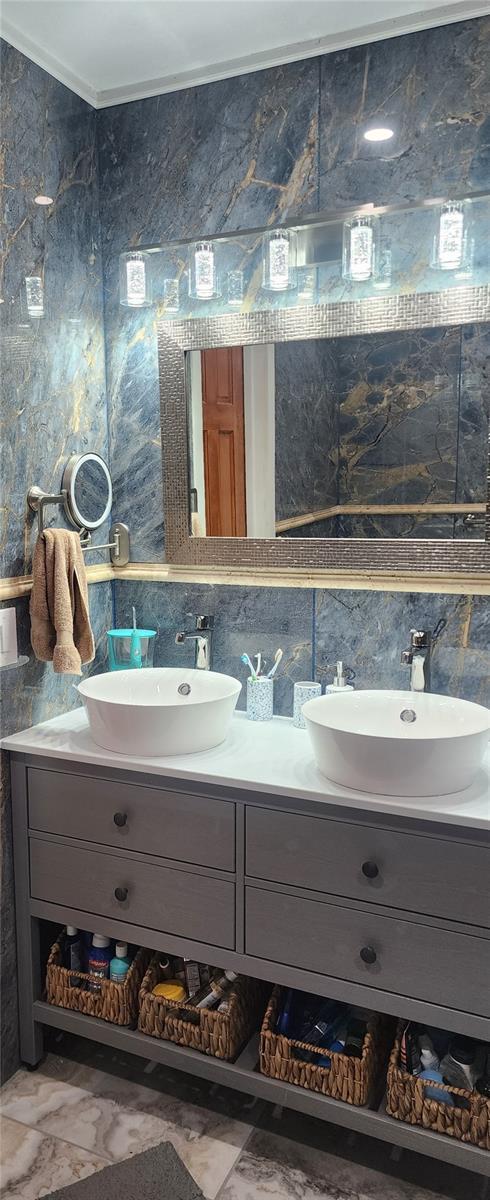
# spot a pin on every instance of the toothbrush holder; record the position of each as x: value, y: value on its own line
x: 303, y: 691
x: 260, y: 698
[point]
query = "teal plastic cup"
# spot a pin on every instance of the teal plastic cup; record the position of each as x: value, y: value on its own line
x: 130, y: 649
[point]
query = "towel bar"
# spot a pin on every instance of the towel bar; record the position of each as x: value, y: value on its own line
x: 118, y: 543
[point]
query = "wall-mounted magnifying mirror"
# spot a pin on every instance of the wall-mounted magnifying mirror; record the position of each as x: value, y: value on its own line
x: 87, y: 489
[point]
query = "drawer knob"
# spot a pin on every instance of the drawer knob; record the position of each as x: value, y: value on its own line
x: 120, y: 819
x: 370, y: 870
x: 121, y: 894
x: 368, y: 954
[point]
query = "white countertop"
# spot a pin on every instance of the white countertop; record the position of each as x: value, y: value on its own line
x: 271, y: 757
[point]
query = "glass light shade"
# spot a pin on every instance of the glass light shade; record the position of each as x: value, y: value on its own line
x: 234, y: 288
x: 450, y: 239
x: 171, y: 295
x: 202, y: 272
x: 35, y: 296
x: 134, y: 279
x: 382, y: 264
x: 307, y: 280
x: 279, y: 260
x: 358, y: 249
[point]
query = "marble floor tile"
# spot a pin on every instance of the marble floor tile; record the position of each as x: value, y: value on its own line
x: 273, y: 1167
x: 112, y: 1116
x: 34, y: 1164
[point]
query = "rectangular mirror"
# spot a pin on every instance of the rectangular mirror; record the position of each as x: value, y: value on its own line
x: 379, y: 435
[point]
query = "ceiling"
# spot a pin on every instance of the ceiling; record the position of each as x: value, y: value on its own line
x: 110, y: 51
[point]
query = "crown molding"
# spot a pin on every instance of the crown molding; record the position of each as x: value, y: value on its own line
x: 463, y: 10
x: 42, y: 58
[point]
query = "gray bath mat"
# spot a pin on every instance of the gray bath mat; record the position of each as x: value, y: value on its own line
x: 157, y: 1174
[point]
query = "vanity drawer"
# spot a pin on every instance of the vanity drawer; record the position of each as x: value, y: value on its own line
x: 423, y: 874
x: 414, y: 960
x: 171, y: 901
x: 193, y: 829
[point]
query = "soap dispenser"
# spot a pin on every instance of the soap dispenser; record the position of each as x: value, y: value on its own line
x: 339, y: 683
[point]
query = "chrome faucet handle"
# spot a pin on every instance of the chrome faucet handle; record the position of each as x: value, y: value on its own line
x: 419, y: 639
x: 406, y: 657
x: 203, y: 623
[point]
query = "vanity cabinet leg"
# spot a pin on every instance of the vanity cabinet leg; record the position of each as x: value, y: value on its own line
x: 27, y: 927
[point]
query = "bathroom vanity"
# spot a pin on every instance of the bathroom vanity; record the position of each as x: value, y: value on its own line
x: 245, y: 856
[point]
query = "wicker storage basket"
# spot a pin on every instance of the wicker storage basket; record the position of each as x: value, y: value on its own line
x: 221, y: 1034
x: 115, y: 1002
x: 350, y: 1079
x: 406, y: 1101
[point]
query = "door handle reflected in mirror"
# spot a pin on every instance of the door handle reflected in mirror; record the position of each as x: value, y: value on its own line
x: 121, y: 894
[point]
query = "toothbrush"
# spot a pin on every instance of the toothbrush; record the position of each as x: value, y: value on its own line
x: 259, y: 662
x: 277, y: 659
x: 245, y: 659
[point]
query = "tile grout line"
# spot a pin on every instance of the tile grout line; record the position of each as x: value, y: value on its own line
x: 253, y: 1129
x: 110, y: 1162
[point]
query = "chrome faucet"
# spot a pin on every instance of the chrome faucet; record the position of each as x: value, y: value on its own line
x: 418, y: 656
x: 202, y: 641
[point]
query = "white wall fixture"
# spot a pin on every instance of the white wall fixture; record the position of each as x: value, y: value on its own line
x: 379, y: 133
x: 358, y: 249
x: 134, y: 279
x: 35, y: 296
x: 279, y: 260
x: 202, y: 273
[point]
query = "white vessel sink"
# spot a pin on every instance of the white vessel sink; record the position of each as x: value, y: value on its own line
x: 398, y: 743
x: 143, y: 712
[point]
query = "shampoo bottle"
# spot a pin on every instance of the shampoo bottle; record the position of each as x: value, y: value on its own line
x: 73, y: 954
x: 99, y: 960
x: 120, y: 963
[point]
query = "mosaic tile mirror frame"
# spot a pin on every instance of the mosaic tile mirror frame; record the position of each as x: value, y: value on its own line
x: 409, y: 310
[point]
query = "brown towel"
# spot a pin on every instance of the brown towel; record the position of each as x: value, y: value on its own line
x: 60, y: 623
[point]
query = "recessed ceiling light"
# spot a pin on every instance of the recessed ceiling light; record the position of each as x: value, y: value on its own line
x: 43, y: 200
x: 381, y: 134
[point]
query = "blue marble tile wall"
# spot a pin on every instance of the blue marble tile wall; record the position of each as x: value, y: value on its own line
x: 53, y: 384
x: 367, y: 629
x: 253, y: 150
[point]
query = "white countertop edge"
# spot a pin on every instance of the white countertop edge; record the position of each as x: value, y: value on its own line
x: 270, y: 757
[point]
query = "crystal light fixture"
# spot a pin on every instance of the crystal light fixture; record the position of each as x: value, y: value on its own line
x: 358, y: 249
x: 35, y: 296
x: 279, y: 260
x: 449, y: 245
x: 234, y: 287
x: 307, y: 280
x: 382, y: 264
x: 171, y: 295
x: 134, y: 283
x: 202, y: 274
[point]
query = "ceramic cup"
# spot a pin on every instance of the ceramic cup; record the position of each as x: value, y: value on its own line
x: 260, y: 699
x: 303, y: 691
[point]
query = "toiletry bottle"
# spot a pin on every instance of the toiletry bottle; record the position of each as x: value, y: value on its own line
x: 120, y: 964
x: 99, y: 960
x: 428, y: 1056
x: 354, y: 1039
x: 192, y: 976
x: 213, y: 992
x: 458, y: 1066
x: 339, y: 683
x: 73, y: 954
x: 165, y: 967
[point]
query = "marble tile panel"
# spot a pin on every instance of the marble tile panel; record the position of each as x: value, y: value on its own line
x: 433, y: 89
x: 52, y: 367
x: 306, y: 427
x: 33, y: 1164
x: 291, y: 1157
x: 368, y: 630
x: 246, y: 619
x: 113, y: 1117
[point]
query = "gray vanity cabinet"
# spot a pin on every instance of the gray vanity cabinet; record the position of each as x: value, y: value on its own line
x: 385, y: 912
